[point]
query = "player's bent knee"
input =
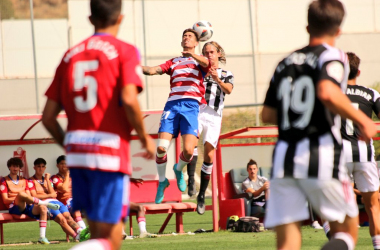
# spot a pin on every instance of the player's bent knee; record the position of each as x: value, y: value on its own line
x: 162, y: 147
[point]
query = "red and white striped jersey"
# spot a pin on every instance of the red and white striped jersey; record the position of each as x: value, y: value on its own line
x: 186, y: 78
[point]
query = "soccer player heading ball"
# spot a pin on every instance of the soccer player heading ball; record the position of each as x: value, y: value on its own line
x: 305, y: 99
x: 97, y: 83
x: 182, y: 108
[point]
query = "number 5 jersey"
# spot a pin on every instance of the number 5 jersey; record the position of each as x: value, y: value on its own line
x: 309, y: 142
x: 87, y: 85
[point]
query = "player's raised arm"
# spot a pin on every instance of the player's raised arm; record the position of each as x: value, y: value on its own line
x: 203, y: 61
x: 150, y: 71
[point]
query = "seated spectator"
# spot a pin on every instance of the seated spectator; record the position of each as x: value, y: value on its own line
x: 40, y: 186
x: 62, y: 186
x: 257, y: 187
x: 16, y: 196
x: 140, y: 210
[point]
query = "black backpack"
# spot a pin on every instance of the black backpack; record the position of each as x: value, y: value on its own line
x: 248, y: 224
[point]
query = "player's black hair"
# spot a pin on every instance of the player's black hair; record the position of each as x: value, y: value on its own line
x: 354, y: 61
x: 105, y: 13
x: 192, y: 31
x: 39, y: 161
x: 324, y: 17
x: 15, y: 162
x: 251, y: 162
x: 61, y: 158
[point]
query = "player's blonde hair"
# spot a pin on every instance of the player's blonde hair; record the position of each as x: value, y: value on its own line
x: 219, y: 48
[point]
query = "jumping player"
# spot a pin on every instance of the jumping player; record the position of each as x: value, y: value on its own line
x: 305, y: 99
x: 63, y: 187
x: 40, y: 187
x: 218, y: 82
x: 360, y: 156
x: 97, y: 83
x: 16, y: 196
x: 182, y: 108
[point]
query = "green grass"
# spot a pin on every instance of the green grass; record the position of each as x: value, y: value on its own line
x: 311, y: 238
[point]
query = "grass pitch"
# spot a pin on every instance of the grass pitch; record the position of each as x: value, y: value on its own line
x: 312, y: 239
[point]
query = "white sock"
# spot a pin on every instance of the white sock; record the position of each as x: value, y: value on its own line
x: 42, y: 228
x: 161, y: 161
x: 94, y: 244
x: 376, y: 242
x: 346, y: 238
x: 183, y: 162
x: 79, y: 230
x: 81, y: 224
x: 326, y: 227
x: 142, y: 224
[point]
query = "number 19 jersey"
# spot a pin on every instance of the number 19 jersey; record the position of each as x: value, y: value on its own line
x: 88, y: 84
x: 309, y: 143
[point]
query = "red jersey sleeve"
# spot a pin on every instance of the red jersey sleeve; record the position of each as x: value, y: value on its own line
x: 55, y: 181
x: 166, y: 66
x: 30, y: 185
x: 3, y: 186
x: 131, y: 70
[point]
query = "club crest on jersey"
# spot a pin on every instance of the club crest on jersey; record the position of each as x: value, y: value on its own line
x: 224, y: 73
x: 335, y: 70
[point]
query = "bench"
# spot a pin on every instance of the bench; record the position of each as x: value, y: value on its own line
x: 6, y: 217
x: 145, y: 194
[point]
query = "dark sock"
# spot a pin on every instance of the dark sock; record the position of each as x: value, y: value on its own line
x: 335, y: 244
x: 205, y: 179
x: 191, y: 167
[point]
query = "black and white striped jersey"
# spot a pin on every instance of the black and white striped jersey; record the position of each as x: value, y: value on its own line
x: 309, y: 143
x: 367, y: 100
x: 214, y: 94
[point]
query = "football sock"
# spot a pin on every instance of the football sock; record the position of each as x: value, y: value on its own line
x: 192, y: 165
x: 183, y: 162
x: 142, y: 224
x: 80, y: 222
x: 161, y: 161
x: 94, y: 244
x: 42, y: 228
x: 205, y: 176
x: 376, y: 242
x: 341, y: 241
x: 326, y: 228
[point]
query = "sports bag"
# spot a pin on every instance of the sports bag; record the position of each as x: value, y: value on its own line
x: 232, y: 222
x: 248, y: 224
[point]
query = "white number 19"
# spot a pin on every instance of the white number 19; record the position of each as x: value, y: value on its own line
x: 300, y: 98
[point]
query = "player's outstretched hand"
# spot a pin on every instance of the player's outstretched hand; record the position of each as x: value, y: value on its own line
x: 214, y: 73
x: 367, y: 130
x: 150, y: 148
x: 187, y: 53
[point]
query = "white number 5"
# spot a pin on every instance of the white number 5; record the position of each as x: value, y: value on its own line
x: 81, y: 81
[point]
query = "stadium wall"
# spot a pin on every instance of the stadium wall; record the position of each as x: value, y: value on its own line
x: 276, y: 26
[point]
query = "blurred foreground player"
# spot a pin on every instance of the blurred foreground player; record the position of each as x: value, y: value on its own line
x: 305, y: 99
x: 97, y: 83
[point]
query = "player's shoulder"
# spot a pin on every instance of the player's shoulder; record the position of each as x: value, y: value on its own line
x: 330, y: 53
x: 247, y: 180
x: 55, y: 179
x: 373, y: 92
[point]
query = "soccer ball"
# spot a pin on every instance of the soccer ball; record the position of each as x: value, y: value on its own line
x: 204, y: 30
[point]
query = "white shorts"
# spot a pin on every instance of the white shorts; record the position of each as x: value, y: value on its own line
x: 210, y: 123
x: 366, y: 175
x: 331, y: 199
